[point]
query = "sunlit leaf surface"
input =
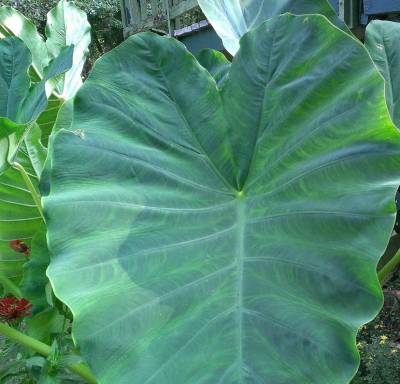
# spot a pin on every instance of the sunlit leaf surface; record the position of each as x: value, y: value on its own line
x: 225, y: 235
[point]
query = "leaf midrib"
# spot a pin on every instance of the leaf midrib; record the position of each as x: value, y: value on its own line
x: 241, y: 223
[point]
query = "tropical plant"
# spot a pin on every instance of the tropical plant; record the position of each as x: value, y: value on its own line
x: 203, y: 258
x: 207, y: 221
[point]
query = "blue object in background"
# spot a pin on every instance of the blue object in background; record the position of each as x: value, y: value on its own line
x: 377, y: 7
x: 206, y: 38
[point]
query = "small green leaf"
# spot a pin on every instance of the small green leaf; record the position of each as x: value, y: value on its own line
x: 216, y: 63
x: 67, y: 360
x: 35, y: 361
x: 11, y: 137
x: 36, y: 150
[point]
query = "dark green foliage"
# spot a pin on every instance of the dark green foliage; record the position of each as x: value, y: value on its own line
x: 379, y: 342
x: 19, y: 366
x: 380, y: 363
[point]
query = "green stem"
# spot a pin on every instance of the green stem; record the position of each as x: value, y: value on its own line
x: 43, y: 349
x: 32, y: 189
x: 10, y: 286
x: 385, y: 271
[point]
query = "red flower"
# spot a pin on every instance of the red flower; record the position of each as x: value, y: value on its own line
x: 20, y: 246
x: 12, y: 309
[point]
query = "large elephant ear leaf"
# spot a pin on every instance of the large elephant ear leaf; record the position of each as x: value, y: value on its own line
x: 206, y: 235
x: 14, y: 23
x: 231, y: 19
x: 68, y: 25
x: 382, y: 39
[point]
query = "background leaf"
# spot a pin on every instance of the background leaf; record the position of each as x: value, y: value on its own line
x: 14, y: 23
x: 19, y: 217
x: 15, y: 60
x: 42, y: 326
x: 382, y: 39
x: 33, y: 284
x: 47, y: 118
x: 205, y: 235
x: 35, y: 149
x: 216, y: 63
x: 68, y: 25
x: 36, y: 102
x: 231, y: 19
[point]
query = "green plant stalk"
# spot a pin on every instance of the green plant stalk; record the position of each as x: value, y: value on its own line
x: 10, y: 286
x: 32, y: 189
x: 384, y: 272
x: 43, y: 349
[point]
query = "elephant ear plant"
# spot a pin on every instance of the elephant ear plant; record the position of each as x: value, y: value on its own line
x: 220, y: 225
x: 225, y: 234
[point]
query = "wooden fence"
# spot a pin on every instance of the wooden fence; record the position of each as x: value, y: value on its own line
x: 140, y: 15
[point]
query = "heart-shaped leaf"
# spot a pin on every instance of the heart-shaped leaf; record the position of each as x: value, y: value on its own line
x: 207, y: 235
x: 231, y: 19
